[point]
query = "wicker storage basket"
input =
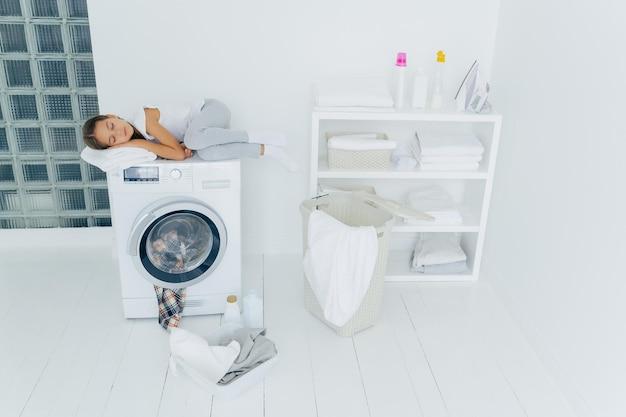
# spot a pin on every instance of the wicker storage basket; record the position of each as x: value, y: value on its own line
x: 353, y: 211
x: 353, y: 159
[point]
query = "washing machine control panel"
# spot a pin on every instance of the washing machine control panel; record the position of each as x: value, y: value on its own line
x: 176, y: 174
x: 141, y: 174
x: 155, y: 178
x: 176, y: 177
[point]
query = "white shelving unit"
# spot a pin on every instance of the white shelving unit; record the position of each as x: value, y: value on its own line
x: 471, y: 189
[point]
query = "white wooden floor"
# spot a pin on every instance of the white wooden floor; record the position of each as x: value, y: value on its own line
x: 438, y: 350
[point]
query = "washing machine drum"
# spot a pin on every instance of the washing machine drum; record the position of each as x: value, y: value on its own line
x: 178, y: 244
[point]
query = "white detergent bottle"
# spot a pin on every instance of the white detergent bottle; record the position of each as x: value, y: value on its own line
x: 400, y: 76
x: 420, y: 90
x: 253, y: 310
x: 232, y: 314
x: 436, y: 100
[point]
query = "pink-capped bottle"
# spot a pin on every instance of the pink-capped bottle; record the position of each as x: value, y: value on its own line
x: 400, y: 76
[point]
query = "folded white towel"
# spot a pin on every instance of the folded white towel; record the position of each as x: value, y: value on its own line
x: 114, y: 159
x: 432, y: 144
x: 359, y: 143
x: 211, y: 362
x: 436, y: 249
x: 470, y: 166
x: 436, y: 202
x: 354, y: 92
x: 339, y: 264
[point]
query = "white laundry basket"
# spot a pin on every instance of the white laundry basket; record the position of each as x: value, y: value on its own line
x: 358, y: 159
x: 353, y: 210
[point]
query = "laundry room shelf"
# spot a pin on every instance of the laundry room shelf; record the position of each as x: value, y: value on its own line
x: 470, y: 188
x: 325, y: 172
x: 470, y: 224
x: 408, y: 115
x: 399, y: 270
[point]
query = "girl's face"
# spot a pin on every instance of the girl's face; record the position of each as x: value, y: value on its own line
x: 113, y: 131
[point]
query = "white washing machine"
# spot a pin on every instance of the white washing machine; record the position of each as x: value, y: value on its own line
x: 177, y: 224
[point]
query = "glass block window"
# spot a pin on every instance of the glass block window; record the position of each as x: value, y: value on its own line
x: 53, y: 74
x: 10, y: 200
x: 72, y: 200
x: 49, y: 38
x: 44, y: 8
x: 4, y: 144
x: 74, y: 222
x: 68, y: 171
x: 88, y: 106
x: 6, y: 172
x: 77, y: 8
x: 12, y: 38
x: 95, y: 174
x: 47, y: 91
x: 81, y: 39
x: 58, y: 107
x: 63, y: 139
x: 29, y: 139
x: 102, y: 221
x: 39, y: 201
x: 100, y: 198
x: 23, y: 107
x: 18, y: 73
x: 85, y: 76
x: 34, y: 171
x: 10, y: 8
x: 44, y: 222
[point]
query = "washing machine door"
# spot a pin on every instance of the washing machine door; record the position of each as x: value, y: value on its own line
x: 177, y: 243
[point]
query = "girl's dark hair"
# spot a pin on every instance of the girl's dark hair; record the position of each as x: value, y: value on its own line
x: 90, y: 126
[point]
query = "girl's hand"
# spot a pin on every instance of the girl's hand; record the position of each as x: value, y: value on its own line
x: 188, y: 152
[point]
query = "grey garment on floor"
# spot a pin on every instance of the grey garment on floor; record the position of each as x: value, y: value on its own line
x: 210, y: 127
x: 255, y: 349
x: 230, y: 151
x: 450, y: 268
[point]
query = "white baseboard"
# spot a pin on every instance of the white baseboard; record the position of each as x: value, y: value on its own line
x: 69, y: 236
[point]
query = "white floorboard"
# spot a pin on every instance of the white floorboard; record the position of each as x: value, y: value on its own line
x: 289, y: 389
x: 438, y: 350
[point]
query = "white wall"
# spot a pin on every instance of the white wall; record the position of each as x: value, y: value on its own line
x: 556, y: 239
x: 261, y: 57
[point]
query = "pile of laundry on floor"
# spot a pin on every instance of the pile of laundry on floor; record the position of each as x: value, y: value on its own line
x: 439, y: 253
x: 234, y: 354
x: 448, y: 152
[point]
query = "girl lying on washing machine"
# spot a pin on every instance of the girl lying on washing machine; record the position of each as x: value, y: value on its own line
x: 174, y: 132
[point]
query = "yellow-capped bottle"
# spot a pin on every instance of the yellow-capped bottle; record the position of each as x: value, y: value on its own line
x: 436, y: 100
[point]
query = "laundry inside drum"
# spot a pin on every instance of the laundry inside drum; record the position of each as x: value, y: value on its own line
x: 179, y: 243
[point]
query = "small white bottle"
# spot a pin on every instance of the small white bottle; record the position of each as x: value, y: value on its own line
x: 400, y: 76
x: 232, y: 314
x: 253, y: 311
x: 420, y: 90
x: 436, y: 100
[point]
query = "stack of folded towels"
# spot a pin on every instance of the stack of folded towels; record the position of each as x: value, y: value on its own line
x: 436, y: 202
x: 446, y: 152
x: 439, y: 253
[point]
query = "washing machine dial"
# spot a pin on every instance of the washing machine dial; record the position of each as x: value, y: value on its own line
x: 176, y: 174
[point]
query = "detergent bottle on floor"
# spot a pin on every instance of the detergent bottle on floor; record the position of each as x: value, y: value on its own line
x: 232, y: 313
x: 253, y: 310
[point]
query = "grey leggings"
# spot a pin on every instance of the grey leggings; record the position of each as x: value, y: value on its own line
x: 209, y: 134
